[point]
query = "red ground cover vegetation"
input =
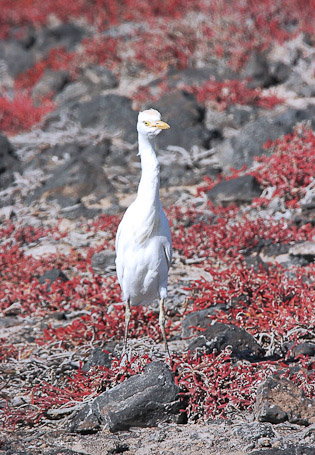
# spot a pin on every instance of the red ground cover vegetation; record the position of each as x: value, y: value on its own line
x: 223, y: 94
x: 20, y: 113
x: 173, y: 35
x: 270, y: 304
x: 218, y: 95
x: 289, y: 170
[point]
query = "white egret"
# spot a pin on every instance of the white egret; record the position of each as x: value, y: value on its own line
x: 143, y: 241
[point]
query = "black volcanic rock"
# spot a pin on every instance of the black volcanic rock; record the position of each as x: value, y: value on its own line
x: 112, y: 112
x: 215, y: 70
x: 241, y: 148
x: 100, y: 261
x: 143, y: 400
x: 198, y: 319
x: 255, y: 262
x: 50, y: 82
x: 16, y: 57
x: 8, y: 162
x: 289, y: 450
x: 263, y: 73
x: 92, y: 82
x: 293, y: 350
x: 186, y: 118
x: 98, y: 357
x: 52, y: 275
x: 218, y: 336
x: 53, y: 157
x: 73, y: 181
x: 65, y: 36
x: 279, y: 400
x: 307, y: 215
x: 304, y: 249
x: 100, y: 77
x: 73, y: 93
x: 79, y: 211
x: 237, y: 191
x: 300, y: 86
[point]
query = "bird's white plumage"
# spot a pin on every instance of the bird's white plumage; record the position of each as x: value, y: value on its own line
x: 143, y: 241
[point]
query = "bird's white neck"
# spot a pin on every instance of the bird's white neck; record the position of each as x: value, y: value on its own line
x: 149, y: 185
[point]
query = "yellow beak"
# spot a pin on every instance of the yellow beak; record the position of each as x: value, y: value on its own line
x: 161, y: 125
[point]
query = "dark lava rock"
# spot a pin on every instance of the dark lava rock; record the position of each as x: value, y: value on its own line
x: 275, y: 249
x: 303, y: 349
x: 280, y: 253
x: 259, y: 72
x: 112, y: 112
x: 52, y: 158
x: 256, y: 263
x: 307, y: 215
x: 218, y: 336
x: 65, y: 36
x: 79, y: 211
x: 198, y: 319
x: 17, y: 58
x: 8, y: 162
x: 9, y: 321
x: 90, y: 84
x: 100, y: 77
x: 289, y: 450
x: 173, y: 175
x: 196, y: 76
x: 50, y: 82
x: 25, y: 35
x: 304, y: 249
x: 59, y: 451
x: 242, y: 115
x: 300, y: 86
x: 177, y: 173
x: 251, y: 432
x: 241, y: 148
x: 292, y: 351
x: 143, y: 400
x: 119, y: 448
x: 280, y: 72
x: 65, y: 452
x: 237, y: 191
x: 100, y: 261
x: 186, y: 119
x: 73, y: 93
x: 279, y: 400
x: 73, y: 181
x: 52, y: 275
x: 99, y: 357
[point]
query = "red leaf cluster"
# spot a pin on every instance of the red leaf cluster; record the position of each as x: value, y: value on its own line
x: 288, y: 168
x: 21, y: 113
x: 222, y: 94
x: 291, y: 167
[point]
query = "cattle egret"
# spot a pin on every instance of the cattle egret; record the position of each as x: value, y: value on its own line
x: 143, y: 241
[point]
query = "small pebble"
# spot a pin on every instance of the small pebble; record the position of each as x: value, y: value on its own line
x: 264, y: 442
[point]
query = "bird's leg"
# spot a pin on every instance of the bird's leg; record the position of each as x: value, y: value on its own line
x: 127, y: 319
x: 162, y: 325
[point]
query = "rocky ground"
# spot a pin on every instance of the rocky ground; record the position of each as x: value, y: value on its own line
x: 237, y: 184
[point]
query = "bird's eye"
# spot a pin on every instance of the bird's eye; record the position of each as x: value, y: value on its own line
x: 146, y: 123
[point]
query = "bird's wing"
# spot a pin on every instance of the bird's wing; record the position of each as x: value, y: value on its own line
x: 167, y: 244
x: 125, y: 225
x: 168, y: 253
x: 122, y: 239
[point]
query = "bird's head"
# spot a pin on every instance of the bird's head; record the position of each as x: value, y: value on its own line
x: 150, y: 123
